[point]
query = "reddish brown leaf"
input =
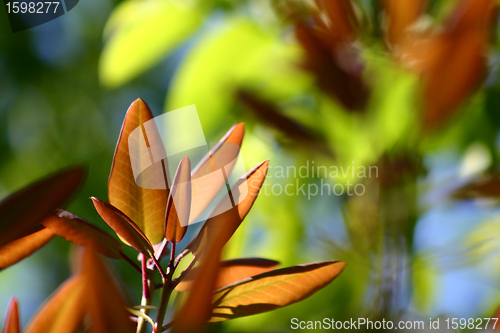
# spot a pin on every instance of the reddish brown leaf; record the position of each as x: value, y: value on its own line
x: 400, y: 16
x: 453, y: 61
x: 275, y: 289
x: 106, y: 305
x: 488, y: 187
x: 179, y: 203
x: 342, y: 18
x: 270, y: 114
x: 197, y: 309
x: 127, y: 230
x: 336, y: 65
x: 11, y: 323
x: 22, y: 210
x: 146, y: 204
x: 81, y: 232
x: 223, y: 225
x: 223, y: 155
x: 23, y: 247
x: 63, y: 312
x: 231, y: 271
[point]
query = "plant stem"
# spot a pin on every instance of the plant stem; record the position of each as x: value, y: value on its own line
x: 157, y: 264
x: 146, y: 297
x: 166, y: 291
x: 167, y: 326
x: 180, y: 256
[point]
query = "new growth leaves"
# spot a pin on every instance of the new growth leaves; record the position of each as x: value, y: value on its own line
x: 141, y: 217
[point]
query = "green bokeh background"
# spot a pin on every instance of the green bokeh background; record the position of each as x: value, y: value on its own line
x: 66, y: 85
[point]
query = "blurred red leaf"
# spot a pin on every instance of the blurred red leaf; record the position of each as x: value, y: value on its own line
x: 128, y: 231
x: 452, y: 61
x: 332, y: 58
x: 63, y: 312
x: 146, y: 207
x: 22, y: 210
x: 275, y: 289
x: 11, y: 322
x: 487, y: 187
x: 106, y: 305
x: 23, y: 247
x: 401, y: 15
x: 223, y: 225
x: 269, y: 113
x: 342, y: 18
x: 223, y: 155
x: 231, y: 271
x: 179, y: 203
x: 197, y: 309
x: 81, y: 232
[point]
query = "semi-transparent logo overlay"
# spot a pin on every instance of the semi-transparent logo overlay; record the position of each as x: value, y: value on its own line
x: 157, y: 147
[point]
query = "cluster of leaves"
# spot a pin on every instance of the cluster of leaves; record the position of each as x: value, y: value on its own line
x: 449, y: 57
x: 361, y: 65
x: 150, y: 222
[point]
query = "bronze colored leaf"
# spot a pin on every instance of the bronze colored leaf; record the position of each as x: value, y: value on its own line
x: 452, y: 61
x: 81, y: 232
x: 106, y: 305
x: 488, y: 187
x: 63, y: 312
x: 22, y: 210
x: 128, y: 231
x: 197, y: 309
x: 11, y: 323
x: 145, y: 204
x: 179, y: 203
x: 400, y: 16
x: 222, y: 156
x: 275, y: 289
x: 231, y: 271
x: 23, y: 247
x: 336, y: 64
x: 223, y: 225
x: 271, y: 115
x: 341, y: 16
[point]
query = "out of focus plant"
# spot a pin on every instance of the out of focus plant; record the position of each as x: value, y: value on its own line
x: 354, y: 83
x: 357, y: 83
x: 149, y: 220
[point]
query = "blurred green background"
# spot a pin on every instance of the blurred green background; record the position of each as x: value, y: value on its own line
x: 412, y: 251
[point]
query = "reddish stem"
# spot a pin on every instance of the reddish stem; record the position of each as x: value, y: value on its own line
x: 145, y: 287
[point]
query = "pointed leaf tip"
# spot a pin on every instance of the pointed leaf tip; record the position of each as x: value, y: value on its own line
x: 125, y: 228
x: 205, y: 183
x: 22, y: 210
x: 274, y: 289
x: 12, y: 322
x: 81, y: 232
x: 246, y: 191
x: 142, y: 195
x: 23, y: 247
x: 63, y: 312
